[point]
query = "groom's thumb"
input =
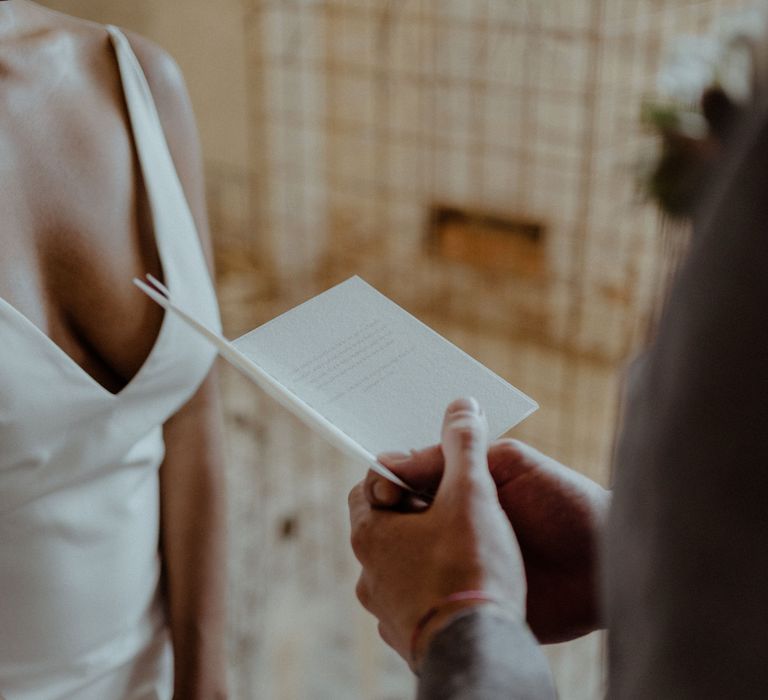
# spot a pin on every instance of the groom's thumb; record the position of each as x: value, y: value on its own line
x: 465, y: 446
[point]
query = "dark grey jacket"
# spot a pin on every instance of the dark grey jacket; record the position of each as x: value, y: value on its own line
x: 686, y: 563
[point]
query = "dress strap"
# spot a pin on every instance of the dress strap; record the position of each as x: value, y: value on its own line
x: 176, y: 235
x: 156, y: 161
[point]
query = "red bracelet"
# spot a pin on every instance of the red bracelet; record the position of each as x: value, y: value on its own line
x: 460, y: 596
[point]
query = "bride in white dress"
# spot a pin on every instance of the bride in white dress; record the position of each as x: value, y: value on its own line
x: 111, y: 521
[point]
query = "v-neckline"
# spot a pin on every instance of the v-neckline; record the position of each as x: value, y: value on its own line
x: 53, y: 347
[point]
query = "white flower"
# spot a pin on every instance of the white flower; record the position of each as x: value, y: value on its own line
x: 694, y: 63
x: 689, y: 68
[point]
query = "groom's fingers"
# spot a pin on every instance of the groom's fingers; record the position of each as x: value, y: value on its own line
x: 465, y: 438
x: 420, y: 469
x: 465, y: 445
x: 380, y: 492
x: 358, y: 506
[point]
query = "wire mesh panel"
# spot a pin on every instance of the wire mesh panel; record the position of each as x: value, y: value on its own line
x: 373, y: 112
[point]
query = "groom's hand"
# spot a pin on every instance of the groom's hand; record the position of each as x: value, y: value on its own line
x: 557, y: 515
x: 462, y: 542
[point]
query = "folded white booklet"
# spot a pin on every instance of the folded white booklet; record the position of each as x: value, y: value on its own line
x: 369, y: 376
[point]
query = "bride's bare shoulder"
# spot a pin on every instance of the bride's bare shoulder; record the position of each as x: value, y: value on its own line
x: 85, y: 40
x: 45, y: 22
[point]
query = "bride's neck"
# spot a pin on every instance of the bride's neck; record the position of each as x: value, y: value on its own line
x: 8, y: 17
x: 14, y: 15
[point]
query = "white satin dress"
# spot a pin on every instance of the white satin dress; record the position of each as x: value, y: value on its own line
x: 81, y: 612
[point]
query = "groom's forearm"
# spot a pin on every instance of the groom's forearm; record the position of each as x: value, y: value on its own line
x: 483, y: 655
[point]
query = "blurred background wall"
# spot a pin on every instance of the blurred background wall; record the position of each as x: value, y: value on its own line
x: 476, y: 161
